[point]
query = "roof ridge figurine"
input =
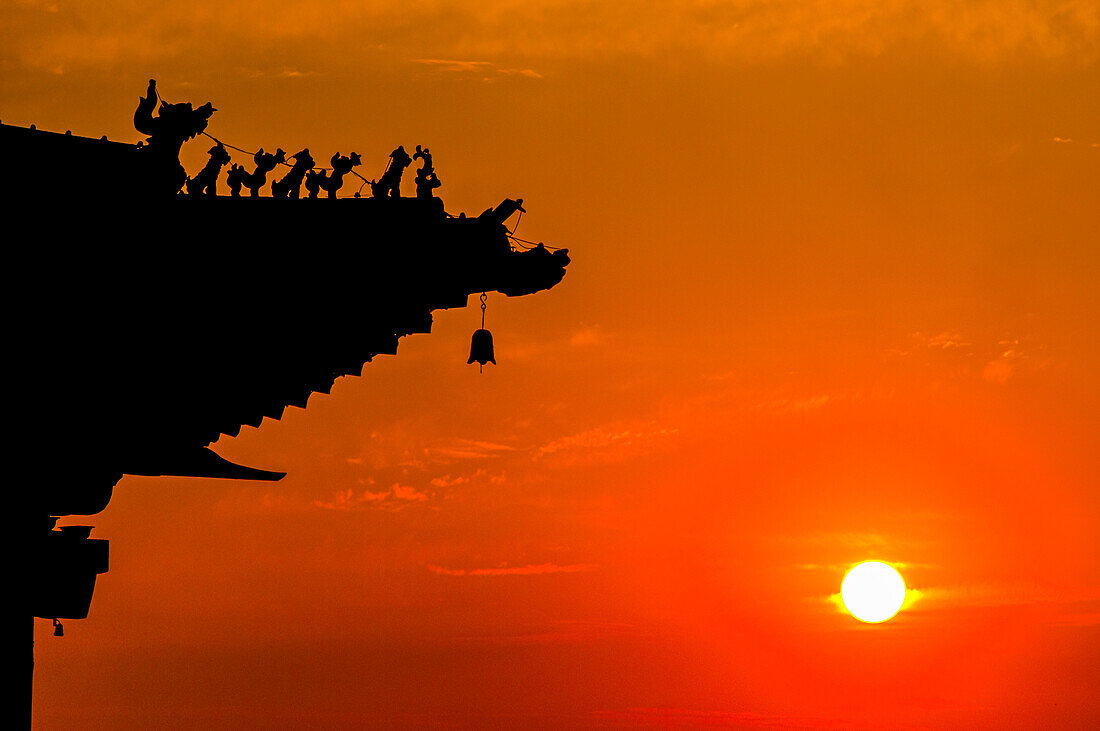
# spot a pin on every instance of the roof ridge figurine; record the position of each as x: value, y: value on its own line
x: 389, y: 185
x: 290, y: 185
x: 173, y: 125
x: 265, y: 163
x: 318, y: 180
x: 206, y: 182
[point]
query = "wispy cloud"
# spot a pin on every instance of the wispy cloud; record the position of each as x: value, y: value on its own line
x: 1077, y: 606
x: 1013, y: 359
x: 284, y: 73
x: 606, y: 438
x: 1071, y: 141
x: 586, y: 337
x: 45, y: 35
x: 482, y: 68
x: 350, y: 500
x: 529, y: 73
x: 448, y: 481
x: 956, y: 356
x: 1006, y: 594
x: 453, y: 65
x: 942, y: 341
x: 290, y: 73
x: 463, y: 449
x: 404, y: 492
x: 984, y: 31
x: 397, y: 497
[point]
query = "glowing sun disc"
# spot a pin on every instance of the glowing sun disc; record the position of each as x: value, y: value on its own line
x: 873, y: 591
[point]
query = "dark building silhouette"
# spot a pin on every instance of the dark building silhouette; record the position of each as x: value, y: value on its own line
x: 156, y: 321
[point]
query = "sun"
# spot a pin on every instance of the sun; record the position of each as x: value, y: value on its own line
x: 873, y: 591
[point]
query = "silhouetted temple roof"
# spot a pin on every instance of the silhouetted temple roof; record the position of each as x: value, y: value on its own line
x: 157, y: 324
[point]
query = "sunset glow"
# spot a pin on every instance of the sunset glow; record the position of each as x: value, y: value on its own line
x: 833, y: 297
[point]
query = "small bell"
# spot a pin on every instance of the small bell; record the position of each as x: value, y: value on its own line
x: 481, y: 348
x: 58, y: 630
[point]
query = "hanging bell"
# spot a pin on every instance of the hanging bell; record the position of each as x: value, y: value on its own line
x: 481, y: 348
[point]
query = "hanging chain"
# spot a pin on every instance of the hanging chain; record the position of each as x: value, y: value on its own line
x: 284, y: 164
x: 484, y: 296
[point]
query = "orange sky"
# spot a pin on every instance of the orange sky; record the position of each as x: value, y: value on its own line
x: 832, y: 299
